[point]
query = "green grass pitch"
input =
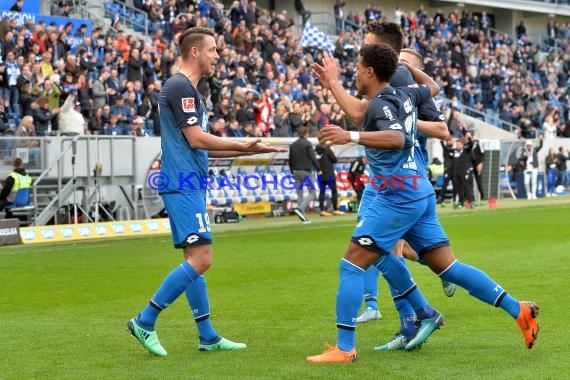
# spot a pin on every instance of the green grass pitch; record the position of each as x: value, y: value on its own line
x: 64, y: 307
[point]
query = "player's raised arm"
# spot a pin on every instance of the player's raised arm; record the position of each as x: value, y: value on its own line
x: 422, y: 78
x: 328, y: 75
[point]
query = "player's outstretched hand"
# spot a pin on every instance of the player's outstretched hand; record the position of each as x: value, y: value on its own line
x: 256, y: 147
x: 328, y: 72
x: 334, y: 135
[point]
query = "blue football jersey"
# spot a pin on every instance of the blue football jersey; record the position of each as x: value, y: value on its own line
x: 181, y: 106
x: 402, y: 77
x: 427, y: 111
x: 396, y: 109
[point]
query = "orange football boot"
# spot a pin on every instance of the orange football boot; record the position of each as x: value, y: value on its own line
x: 527, y: 322
x: 333, y: 355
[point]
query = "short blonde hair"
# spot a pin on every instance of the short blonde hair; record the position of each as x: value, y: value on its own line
x: 416, y: 54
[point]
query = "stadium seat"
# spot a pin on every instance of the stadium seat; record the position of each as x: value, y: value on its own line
x: 21, y: 205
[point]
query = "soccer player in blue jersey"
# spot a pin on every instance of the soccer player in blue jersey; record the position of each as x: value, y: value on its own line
x: 427, y: 119
x: 186, y: 145
x: 431, y: 123
x: 400, y: 205
x: 438, y: 255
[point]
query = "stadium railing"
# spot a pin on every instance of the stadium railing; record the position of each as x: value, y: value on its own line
x: 486, y: 117
x: 129, y: 16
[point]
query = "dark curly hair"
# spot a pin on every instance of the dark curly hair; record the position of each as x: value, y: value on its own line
x: 382, y: 58
x: 389, y: 33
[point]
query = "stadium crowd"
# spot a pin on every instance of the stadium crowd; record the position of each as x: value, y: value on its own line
x: 263, y: 85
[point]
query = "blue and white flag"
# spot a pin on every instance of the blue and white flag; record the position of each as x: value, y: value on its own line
x: 313, y: 37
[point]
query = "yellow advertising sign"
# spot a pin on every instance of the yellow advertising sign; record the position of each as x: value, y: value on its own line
x: 251, y: 162
x: 87, y: 231
x: 252, y: 208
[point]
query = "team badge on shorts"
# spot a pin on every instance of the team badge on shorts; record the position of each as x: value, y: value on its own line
x: 188, y: 105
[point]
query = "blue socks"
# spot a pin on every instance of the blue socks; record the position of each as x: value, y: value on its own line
x: 197, y: 296
x: 402, y: 285
x: 348, y: 300
x: 480, y: 286
x: 171, y: 288
x: 405, y: 312
x: 371, y: 287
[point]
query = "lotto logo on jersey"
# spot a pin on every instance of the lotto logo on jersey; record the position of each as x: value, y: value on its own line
x: 188, y: 105
x: 388, y: 113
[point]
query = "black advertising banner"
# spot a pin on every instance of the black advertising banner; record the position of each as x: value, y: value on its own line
x: 9, y: 231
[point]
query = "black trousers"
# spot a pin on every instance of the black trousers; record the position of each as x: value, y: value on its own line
x: 463, y: 187
x: 325, y: 183
x: 479, y: 182
x: 4, y: 203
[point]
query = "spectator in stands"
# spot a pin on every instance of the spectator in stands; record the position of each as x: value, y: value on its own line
x: 521, y: 30
x: 282, y: 126
x: 123, y: 114
x: 327, y: 179
x: 11, y: 75
x: 17, y: 6
x: 338, y: 9
x: 52, y: 91
x: 233, y: 129
x: 100, y: 90
x: 218, y: 128
x: 94, y: 123
x: 302, y: 161
x: 4, y: 126
x: 300, y: 8
x: 84, y: 96
x: 138, y: 127
x: 44, y: 117
x: 264, y: 114
x: 26, y: 99
x: 551, y: 163
x: 135, y: 71
x: 16, y: 180
x: 296, y: 117
x: 113, y: 128
x: 561, y: 167
x: 236, y: 13
x: 529, y: 161
x: 309, y: 118
x: 56, y: 48
x: 550, y: 129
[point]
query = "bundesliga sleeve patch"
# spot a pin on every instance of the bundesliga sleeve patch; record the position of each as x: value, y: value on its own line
x: 188, y: 105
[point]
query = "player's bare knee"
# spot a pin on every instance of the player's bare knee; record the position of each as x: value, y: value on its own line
x: 439, y: 259
x: 199, y: 257
x: 359, y: 256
